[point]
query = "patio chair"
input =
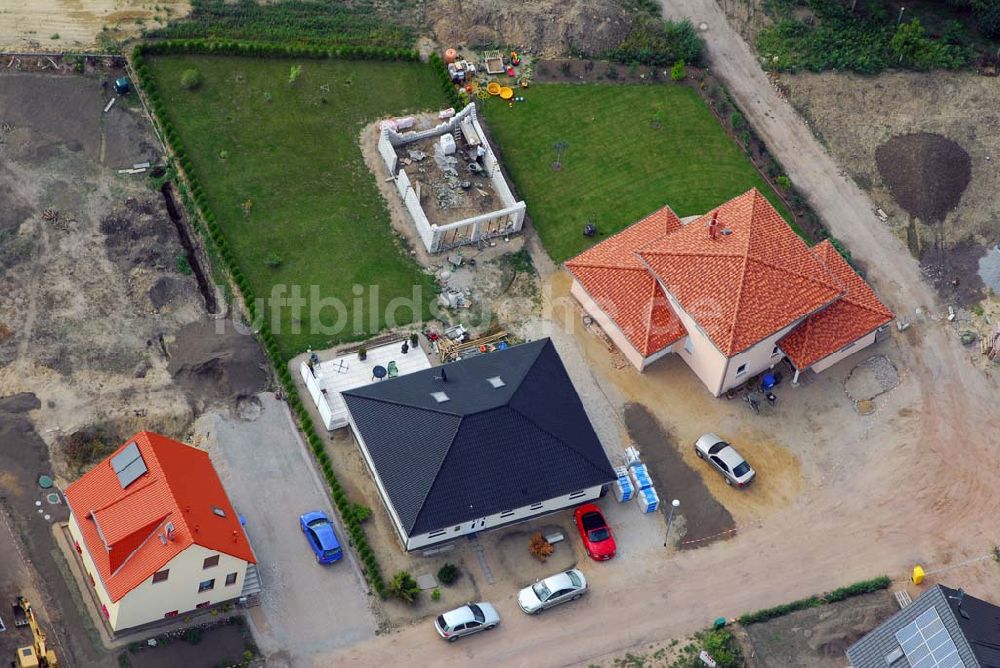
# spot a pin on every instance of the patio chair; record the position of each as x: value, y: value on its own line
x: 393, y: 369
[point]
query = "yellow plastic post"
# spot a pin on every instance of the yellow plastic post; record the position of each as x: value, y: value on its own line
x: 918, y: 575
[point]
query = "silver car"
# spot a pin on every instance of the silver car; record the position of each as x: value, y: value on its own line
x: 724, y: 457
x: 553, y: 590
x: 470, y: 618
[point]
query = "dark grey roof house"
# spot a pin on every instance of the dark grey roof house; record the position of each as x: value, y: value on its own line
x: 942, y: 628
x: 479, y: 443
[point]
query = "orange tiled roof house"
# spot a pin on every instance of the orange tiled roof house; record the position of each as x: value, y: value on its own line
x: 732, y: 292
x: 156, y: 533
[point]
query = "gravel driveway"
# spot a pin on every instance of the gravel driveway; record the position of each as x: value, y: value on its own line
x: 305, y: 608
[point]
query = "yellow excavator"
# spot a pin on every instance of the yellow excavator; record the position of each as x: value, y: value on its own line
x: 38, y: 655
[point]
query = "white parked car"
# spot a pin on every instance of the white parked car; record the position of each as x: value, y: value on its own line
x: 470, y: 618
x: 725, y: 459
x: 553, y: 590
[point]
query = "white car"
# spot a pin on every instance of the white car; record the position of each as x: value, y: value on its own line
x: 553, y: 590
x: 470, y: 618
x: 725, y: 459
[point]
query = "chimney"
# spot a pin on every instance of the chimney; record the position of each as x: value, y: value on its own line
x: 713, y: 227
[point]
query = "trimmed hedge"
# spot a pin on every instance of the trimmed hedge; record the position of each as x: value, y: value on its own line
x: 206, y: 222
x: 856, y: 589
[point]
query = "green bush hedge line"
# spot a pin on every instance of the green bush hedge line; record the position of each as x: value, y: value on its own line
x: 207, y: 223
x: 856, y: 589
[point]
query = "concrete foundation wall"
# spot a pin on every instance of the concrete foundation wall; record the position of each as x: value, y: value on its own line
x: 436, y: 238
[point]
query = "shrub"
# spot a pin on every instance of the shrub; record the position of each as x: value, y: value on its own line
x: 677, y: 72
x: 856, y: 589
x: 360, y: 512
x: 448, y: 574
x: 273, y: 260
x: 539, y: 547
x: 191, y: 79
x: 294, y: 73
x: 736, y: 120
x: 783, y: 181
x: 436, y: 594
x: 987, y: 14
x: 404, y: 587
x: 722, y: 647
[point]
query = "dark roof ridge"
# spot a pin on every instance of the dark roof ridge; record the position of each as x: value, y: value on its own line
x: 430, y: 487
x: 554, y: 437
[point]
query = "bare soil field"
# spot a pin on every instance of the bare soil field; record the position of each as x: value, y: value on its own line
x: 591, y: 26
x: 909, y: 139
x: 819, y: 636
x: 104, y: 329
x: 77, y: 25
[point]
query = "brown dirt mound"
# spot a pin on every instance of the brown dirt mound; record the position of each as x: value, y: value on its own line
x: 215, y: 362
x: 925, y: 172
x: 543, y: 28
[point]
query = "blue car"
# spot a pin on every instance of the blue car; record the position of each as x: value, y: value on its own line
x: 323, y: 541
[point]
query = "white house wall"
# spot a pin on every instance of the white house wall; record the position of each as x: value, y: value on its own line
x: 504, y: 518
x: 322, y: 405
x: 847, y: 351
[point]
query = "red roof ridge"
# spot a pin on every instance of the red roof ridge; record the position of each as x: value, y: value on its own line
x: 824, y: 251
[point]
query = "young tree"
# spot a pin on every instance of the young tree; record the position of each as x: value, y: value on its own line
x: 190, y: 79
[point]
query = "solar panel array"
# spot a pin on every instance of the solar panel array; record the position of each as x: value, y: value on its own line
x: 927, y: 643
x: 128, y: 465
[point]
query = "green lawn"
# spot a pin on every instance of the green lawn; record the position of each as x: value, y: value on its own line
x: 617, y: 167
x: 283, y: 172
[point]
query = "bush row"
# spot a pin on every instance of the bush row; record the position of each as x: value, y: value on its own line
x: 856, y: 589
x: 209, y: 226
x: 450, y: 92
x: 264, y: 50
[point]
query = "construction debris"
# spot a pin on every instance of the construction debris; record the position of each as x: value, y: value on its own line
x: 110, y: 104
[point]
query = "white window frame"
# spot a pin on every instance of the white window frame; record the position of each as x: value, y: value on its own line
x: 741, y: 370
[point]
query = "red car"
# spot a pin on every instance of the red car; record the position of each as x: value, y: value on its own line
x: 596, y: 534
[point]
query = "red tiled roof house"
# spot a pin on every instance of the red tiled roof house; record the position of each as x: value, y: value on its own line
x: 156, y: 532
x: 731, y: 292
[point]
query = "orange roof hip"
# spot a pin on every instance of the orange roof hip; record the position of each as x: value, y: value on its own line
x: 620, y: 285
x: 856, y: 314
x: 744, y: 278
x: 131, y: 532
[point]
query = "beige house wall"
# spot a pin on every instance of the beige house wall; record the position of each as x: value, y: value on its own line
x: 610, y: 328
x: 149, y: 602
x: 698, y: 351
x: 760, y: 357
x: 847, y: 351
x: 91, y: 568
